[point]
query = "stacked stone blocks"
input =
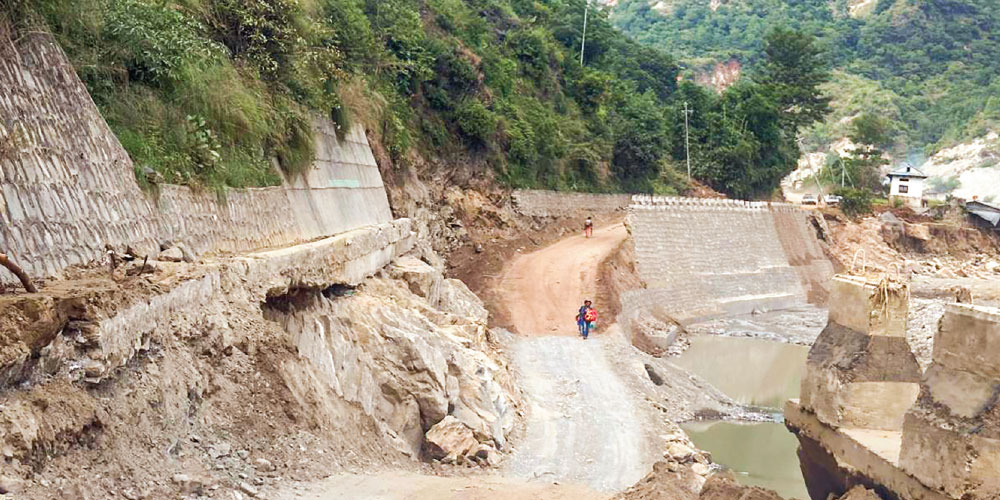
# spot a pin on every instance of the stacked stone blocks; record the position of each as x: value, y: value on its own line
x: 702, y: 258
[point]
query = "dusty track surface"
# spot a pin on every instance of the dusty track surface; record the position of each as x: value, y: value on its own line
x: 584, y: 425
x: 542, y: 290
x: 412, y: 486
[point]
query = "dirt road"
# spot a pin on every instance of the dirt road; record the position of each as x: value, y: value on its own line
x: 584, y: 425
x: 542, y: 290
x: 586, y: 433
x: 398, y: 485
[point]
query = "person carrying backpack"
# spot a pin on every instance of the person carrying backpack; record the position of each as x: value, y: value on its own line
x: 588, y: 227
x: 586, y: 318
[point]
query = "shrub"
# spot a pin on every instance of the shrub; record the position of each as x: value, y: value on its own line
x: 856, y: 202
x: 351, y: 33
x: 262, y: 32
x: 475, y: 121
x: 154, y: 42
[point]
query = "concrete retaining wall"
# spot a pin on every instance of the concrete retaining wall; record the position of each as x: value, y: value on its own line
x: 67, y: 187
x: 537, y: 203
x: 703, y: 258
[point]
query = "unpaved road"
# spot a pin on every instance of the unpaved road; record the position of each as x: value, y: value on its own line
x: 585, y: 436
x: 584, y: 425
x: 399, y: 485
x: 542, y: 290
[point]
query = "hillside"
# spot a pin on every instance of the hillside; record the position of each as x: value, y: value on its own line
x: 215, y: 92
x: 222, y: 93
x: 929, y: 65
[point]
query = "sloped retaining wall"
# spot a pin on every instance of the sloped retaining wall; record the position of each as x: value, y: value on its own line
x: 67, y: 187
x: 703, y: 258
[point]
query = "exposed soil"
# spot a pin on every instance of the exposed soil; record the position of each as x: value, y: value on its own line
x: 482, y: 271
x: 618, y: 274
x: 543, y: 290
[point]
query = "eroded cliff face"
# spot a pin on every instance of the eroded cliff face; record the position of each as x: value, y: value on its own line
x: 411, y: 352
x: 237, y: 373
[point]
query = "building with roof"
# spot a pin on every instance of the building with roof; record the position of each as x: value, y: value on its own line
x: 906, y: 183
x: 984, y: 214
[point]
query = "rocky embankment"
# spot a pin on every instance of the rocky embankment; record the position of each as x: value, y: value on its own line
x: 232, y: 376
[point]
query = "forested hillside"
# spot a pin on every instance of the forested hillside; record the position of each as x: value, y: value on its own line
x: 217, y: 92
x: 931, y: 66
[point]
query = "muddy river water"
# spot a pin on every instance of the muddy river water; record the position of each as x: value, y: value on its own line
x: 756, y: 372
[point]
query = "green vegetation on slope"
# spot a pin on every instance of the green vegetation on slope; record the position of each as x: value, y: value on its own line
x: 932, y: 63
x: 212, y: 92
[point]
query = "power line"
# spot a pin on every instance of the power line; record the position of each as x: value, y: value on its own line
x: 687, y: 138
x: 583, y: 44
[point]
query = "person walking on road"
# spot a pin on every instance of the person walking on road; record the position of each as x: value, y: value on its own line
x: 586, y: 318
x: 588, y: 227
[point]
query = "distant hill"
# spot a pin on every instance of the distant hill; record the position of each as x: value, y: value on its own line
x: 932, y: 66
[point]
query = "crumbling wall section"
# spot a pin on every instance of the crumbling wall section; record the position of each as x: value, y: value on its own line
x: 68, y: 190
x: 860, y: 372
x: 540, y: 203
x: 951, y: 436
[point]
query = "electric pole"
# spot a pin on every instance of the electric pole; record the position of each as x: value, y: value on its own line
x: 687, y: 138
x: 583, y: 44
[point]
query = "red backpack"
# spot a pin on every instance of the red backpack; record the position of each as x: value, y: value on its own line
x: 591, y: 315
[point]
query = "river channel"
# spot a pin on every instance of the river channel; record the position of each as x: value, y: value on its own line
x: 761, y: 373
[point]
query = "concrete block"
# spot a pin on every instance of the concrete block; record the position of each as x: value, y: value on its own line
x: 965, y: 394
x: 969, y: 340
x: 856, y: 375
x: 961, y: 465
x: 860, y: 305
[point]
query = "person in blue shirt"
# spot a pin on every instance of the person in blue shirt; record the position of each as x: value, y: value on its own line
x: 585, y: 318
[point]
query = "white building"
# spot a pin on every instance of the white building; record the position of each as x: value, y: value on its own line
x: 907, y: 183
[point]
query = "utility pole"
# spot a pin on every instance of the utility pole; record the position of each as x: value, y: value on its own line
x: 583, y: 44
x: 687, y: 137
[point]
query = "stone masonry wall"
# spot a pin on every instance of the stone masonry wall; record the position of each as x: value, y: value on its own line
x: 538, y: 203
x: 702, y: 258
x: 67, y: 187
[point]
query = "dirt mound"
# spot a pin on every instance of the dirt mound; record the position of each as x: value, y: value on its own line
x: 888, y: 243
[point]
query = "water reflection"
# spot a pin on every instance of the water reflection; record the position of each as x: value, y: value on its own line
x: 761, y: 454
x: 751, y: 371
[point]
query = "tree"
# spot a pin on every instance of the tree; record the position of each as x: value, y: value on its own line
x: 640, y: 138
x: 794, y: 69
x: 870, y: 133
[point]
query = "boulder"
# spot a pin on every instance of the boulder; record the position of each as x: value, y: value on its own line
x: 451, y: 441
x: 456, y: 298
x: 422, y: 279
x: 860, y: 493
x: 918, y: 232
x: 172, y: 254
